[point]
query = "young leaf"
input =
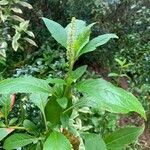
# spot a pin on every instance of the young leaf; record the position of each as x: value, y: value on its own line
x: 62, y: 102
x: 4, y: 132
x: 57, y: 31
x: 93, y: 142
x: 98, y: 41
x: 18, y: 140
x: 80, y: 25
x: 24, y: 85
x: 82, y: 39
x: 109, y: 97
x: 76, y: 74
x: 123, y: 137
x: 57, y: 141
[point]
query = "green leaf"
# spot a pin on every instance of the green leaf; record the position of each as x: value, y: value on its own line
x: 53, y: 109
x: 15, y: 43
x: 123, y: 137
x: 30, y: 126
x: 106, y: 96
x: 98, y: 41
x: 55, y: 81
x: 24, y: 85
x: 18, y: 140
x: 17, y: 18
x: 113, y: 75
x: 57, y: 141
x: 17, y: 10
x: 62, y: 102
x: 93, y: 142
x: 57, y: 31
x: 3, y: 2
x: 76, y: 74
x: 40, y: 100
x: 80, y: 25
x: 82, y: 39
x: 5, y: 102
x: 25, y: 4
x: 30, y: 41
x: 30, y: 33
x: 4, y: 132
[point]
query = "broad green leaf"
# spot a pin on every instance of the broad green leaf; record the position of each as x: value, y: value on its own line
x: 57, y: 31
x: 62, y: 102
x: 106, y: 96
x: 18, y: 140
x: 82, y: 39
x: 76, y: 74
x: 30, y: 41
x: 40, y: 100
x: 96, y: 42
x: 93, y: 142
x: 24, y: 85
x: 4, y: 132
x: 5, y: 102
x: 57, y: 141
x: 123, y: 137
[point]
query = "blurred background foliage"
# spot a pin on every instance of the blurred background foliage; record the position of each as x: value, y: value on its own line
x: 129, y: 19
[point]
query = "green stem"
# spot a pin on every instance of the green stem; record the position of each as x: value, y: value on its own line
x: 45, y: 121
x: 16, y: 127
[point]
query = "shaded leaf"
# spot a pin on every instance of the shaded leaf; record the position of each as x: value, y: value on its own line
x: 62, y: 102
x: 40, y: 100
